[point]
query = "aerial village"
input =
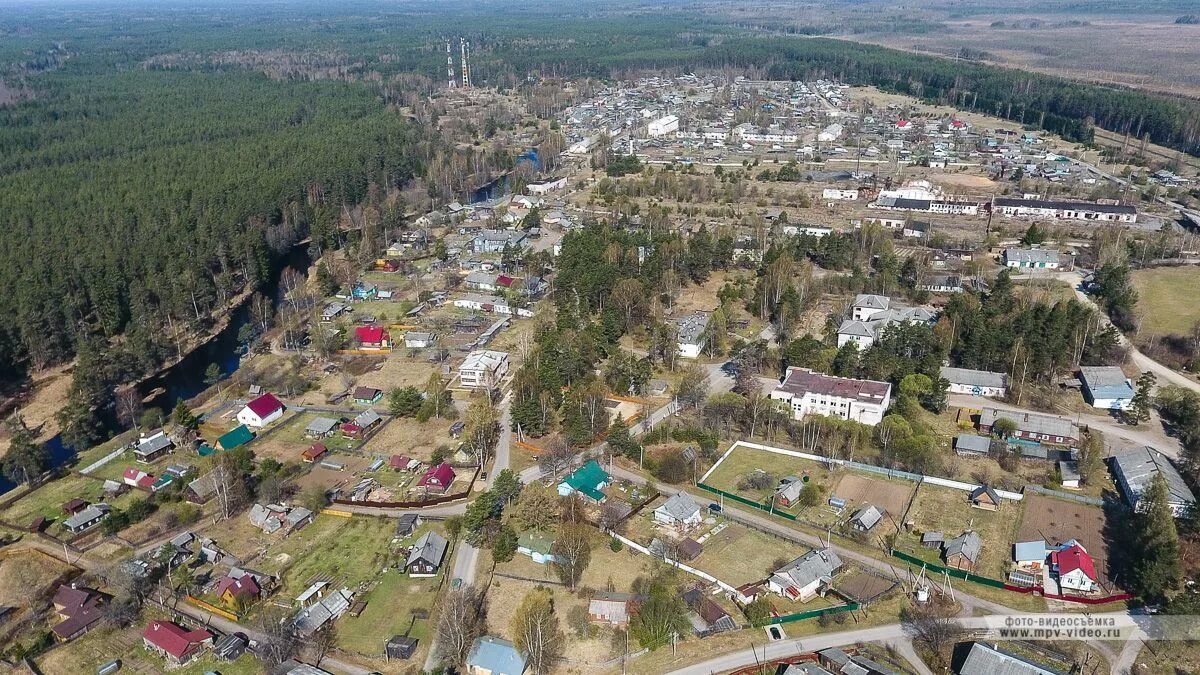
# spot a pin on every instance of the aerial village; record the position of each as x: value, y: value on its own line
x: 800, y: 425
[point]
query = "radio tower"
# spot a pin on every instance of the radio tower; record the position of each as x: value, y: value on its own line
x: 449, y: 67
x: 465, y: 48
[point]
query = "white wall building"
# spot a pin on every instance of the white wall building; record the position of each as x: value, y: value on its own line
x: 690, y: 334
x: 811, y: 393
x: 483, y: 368
x: 1064, y: 210
x: 836, y: 194
x: 662, y: 126
x: 975, y: 382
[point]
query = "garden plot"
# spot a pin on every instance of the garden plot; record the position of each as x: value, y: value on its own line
x: 946, y: 510
x: 1057, y: 520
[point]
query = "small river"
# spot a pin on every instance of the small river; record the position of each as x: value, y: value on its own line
x: 186, y: 378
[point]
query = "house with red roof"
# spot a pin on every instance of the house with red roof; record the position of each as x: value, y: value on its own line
x: 237, y: 592
x: 437, y: 479
x: 314, y: 452
x: 1074, y: 567
x: 173, y: 642
x: 261, y: 411
x: 372, y: 337
x: 138, y: 478
x: 903, y: 125
x: 351, y: 430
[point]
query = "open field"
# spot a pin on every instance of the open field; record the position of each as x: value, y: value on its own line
x: 1166, y: 300
x: 351, y: 550
x: 48, y: 500
x: 407, y: 436
x: 1058, y: 520
x: 26, y: 576
x: 889, y: 495
x: 739, y: 555
x: 744, y: 461
x: 945, y: 510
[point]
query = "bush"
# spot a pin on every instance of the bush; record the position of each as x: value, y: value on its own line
x: 614, y: 545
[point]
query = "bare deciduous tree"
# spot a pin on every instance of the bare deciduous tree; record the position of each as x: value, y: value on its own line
x: 461, y: 621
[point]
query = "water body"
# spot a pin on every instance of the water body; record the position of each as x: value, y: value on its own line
x: 185, y: 379
x: 499, y: 186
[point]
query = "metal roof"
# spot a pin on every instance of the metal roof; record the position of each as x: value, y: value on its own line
x: 974, y: 378
x: 1135, y: 469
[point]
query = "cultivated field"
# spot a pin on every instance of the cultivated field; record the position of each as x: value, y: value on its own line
x: 1166, y: 300
x: 890, y: 495
x: 1059, y: 520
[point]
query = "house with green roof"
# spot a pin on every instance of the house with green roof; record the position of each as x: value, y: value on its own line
x: 588, y: 480
x: 536, y: 546
x: 235, y: 438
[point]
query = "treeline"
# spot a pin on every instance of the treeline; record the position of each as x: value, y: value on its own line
x: 137, y: 202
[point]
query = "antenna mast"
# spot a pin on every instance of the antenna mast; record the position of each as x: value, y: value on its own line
x: 449, y: 67
x: 465, y: 48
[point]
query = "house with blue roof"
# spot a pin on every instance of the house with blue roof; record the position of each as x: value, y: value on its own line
x: 494, y: 656
x: 1106, y: 387
x: 588, y: 480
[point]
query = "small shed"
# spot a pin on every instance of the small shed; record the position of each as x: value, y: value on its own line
x: 400, y: 647
x: 689, y: 549
x: 933, y: 539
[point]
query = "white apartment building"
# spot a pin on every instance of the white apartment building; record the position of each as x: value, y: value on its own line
x: 811, y: 393
x: 483, y: 368
x: 662, y: 126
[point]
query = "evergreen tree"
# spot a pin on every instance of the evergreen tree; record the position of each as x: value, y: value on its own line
x: 1159, y: 568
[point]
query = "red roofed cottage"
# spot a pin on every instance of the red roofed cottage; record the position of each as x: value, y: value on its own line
x: 175, y: 643
x: 261, y: 411
x: 372, y: 337
x: 437, y: 479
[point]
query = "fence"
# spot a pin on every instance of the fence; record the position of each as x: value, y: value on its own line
x: 211, y: 608
x: 810, y: 614
x: 674, y: 563
x: 743, y: 500
x: 336, y: 512
x: 938, y: 569
x: 1091, y: 501
x: 413, y: 505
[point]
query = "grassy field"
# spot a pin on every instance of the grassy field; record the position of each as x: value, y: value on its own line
x: 744, y: 461
x: 1166, y: 300
x: 389, y: 611
x: 739, y: 555
x: 48, y: 499
x: 351, y: 550
x: 947, y: 511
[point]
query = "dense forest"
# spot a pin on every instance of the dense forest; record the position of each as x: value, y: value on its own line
x: 155, y: 168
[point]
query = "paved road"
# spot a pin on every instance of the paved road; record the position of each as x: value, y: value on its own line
x: 764, y: 523
x: 1117, y: 436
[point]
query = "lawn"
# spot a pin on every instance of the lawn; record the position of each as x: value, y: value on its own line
x: 945, y: 510
x: 287, y: 442
x: 407, y: 436
x: 352, y: 551
x: 104, y: 644
x: 744, y: 461
x: 48, y: 499
x: 739, y: 555
x: 1166, y: 300
x: 389, y: 611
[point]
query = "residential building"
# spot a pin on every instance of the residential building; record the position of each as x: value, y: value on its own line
x: 942, y: 283
x: 493, y: 656
x: 425, y: 556
x: 588, y: 480
x: 871, y: 314
x: 1031, y: 258
x: 668, y: 124
x: 153, y: 446
x: 418, y: 340
x: 367, y: 395
x: 1047, y: 429
x: 984, y: 497
x: 311, y: 618
x: 613, y: 609
x: 837, y: 195
x: 962, y: 552
x: 203, y: 488
x: 87, y: 518
x: 714, y: 618
x: 680, y: 511
x: 788, y: 491
x: 537, y: 546
x: 494, y: 241
x: 437, y: 479
x: 314, y: 452
x: 1074, y: 568
x: 79, y: 610
x: 321, y: 427
x: 546, y: 186
x: 407, y: 524
x: 975, y: 382
x: 1106, y: 387
x: 237, y: 592
x: 173, y: 642
x: 483, y: 368
x: 1064, y: 210
x: 691, y: 333
x: 236, y: 437
x: 372, y: 338
x: 138, y: 478
x: 261, y: 411
x: 1136, y: 468
x: 804, y: 577
x: 970, y: 444
x: 985, y: 659
x: 333, y: 310
x: 866, y: 518
x: 809, y: 392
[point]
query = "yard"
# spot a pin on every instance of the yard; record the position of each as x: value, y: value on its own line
x: 1166, y: 300
x: 890, y: 495
x: 407, y: 436
x: 106, y: 643
x: 285, y: 443
x: 946, y: 510
x: 26, y: 575
x: 1058, y: 520
x: 351, y: 551
x: 48, y: 500
x: 744, y: 461
x: 739, y: 555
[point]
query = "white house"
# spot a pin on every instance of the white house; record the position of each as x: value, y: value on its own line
x: 1064, y: 210
x: 690, y: 334
x: 804, y: 577
x: 1032, y: 258
x: 668, y: 124
x: 680, y: 511
x: 261, y: 411
x: 836, y: 194
x: 975, y: 382
x: 871, y: 314
x: 483, y: 368
x: 1075, y: 569
x: 808, y: 392
x: 1136, y: 468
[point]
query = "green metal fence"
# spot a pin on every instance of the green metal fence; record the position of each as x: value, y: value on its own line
x: 810, y: 614
x: 743, y: 500
x: 938, y: 569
